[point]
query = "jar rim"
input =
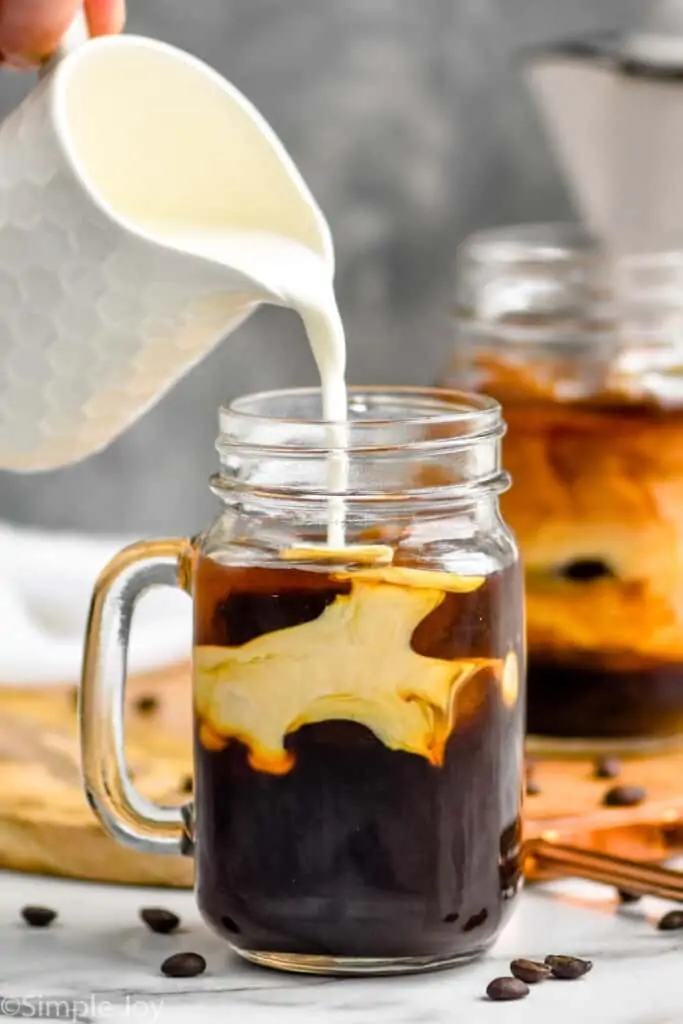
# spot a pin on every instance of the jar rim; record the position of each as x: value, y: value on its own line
x: 380, y: 417
x: 550, y: 288
x: 552, y: 242
x: 434, y: 446
x: 555, y: 242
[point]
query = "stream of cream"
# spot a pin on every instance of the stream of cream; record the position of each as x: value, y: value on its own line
x: 287, y: 273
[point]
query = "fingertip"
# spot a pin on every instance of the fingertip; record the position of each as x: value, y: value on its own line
x: 31, y: 30
x: 105, y: 17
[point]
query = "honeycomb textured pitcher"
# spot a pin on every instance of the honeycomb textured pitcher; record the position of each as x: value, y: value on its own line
x: 102, y: 311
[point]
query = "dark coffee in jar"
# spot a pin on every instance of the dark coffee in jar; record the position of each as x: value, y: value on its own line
x: 598, y: 507
x: 352, y: 736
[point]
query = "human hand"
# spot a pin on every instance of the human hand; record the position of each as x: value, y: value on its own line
x: 30, y: 30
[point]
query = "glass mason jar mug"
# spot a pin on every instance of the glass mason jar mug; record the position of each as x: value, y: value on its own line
x: 359, y: 708
x: 585, y: 353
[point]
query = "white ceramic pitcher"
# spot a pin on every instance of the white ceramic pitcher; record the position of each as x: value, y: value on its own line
x: 98, y: 316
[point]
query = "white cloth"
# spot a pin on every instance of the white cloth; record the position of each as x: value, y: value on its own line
x: 46, y: 582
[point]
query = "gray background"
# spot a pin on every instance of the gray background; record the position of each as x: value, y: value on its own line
x: 411, y: 124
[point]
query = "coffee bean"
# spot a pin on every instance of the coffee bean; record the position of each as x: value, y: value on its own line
x: 160, y: 920
x: 183, y: 965
x: 504, y: 989
x: 530, y: 971
x: 607, y: 768
x: 532, y: 787
x: 38, y: 917
x: 568, y: 968
x: 624, y: 796
x: 671, y: 922
x: 628, y: 897
x: 145, y: 705
x: 186, y: 784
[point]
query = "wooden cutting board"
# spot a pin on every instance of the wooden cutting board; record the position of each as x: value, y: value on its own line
x: 47, y: 827
x: 568, y: 788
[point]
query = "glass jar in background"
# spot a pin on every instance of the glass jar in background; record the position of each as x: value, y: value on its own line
x: 359, y: 709
x: 585, y: 353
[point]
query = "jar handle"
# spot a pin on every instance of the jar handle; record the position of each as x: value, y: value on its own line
x: 127, y: 815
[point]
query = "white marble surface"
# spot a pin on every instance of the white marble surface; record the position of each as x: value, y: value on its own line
x: 102, y: 959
